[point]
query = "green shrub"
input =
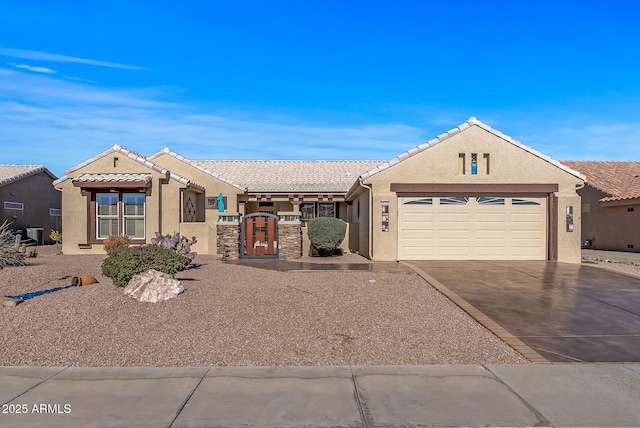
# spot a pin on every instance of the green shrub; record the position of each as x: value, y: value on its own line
x: 123, y: 264
x: 326, y: 234
x: 115, y: 242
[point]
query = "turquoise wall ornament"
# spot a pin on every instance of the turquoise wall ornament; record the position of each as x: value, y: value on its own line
x: 220, y: 203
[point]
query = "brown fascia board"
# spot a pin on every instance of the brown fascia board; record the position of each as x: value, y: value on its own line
x: 485, y: 188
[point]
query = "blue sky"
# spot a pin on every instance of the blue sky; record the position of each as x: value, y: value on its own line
x: 314, y: 79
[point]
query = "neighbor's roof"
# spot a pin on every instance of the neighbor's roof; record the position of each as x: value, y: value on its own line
x: 619, y: 180
x: 466, y: 125
x: 281, y: 175
x: 291, y: 175
x: 11, y: 173
x: 136, y: 157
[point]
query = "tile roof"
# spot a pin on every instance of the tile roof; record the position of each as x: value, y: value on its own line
x: 198, y: 166
x: 281, y: 175
x: 11, y: 173
x: 466, y: 125
x: 136, y: 157
x: 619, y: 180
x: 290, y: 175
x: 112, y: 178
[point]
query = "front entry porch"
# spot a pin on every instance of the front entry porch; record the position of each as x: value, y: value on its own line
x: 259, y: 236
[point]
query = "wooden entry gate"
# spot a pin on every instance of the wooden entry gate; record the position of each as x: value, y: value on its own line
x: 259, y: 236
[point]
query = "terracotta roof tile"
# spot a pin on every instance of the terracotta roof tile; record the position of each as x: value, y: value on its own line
x: 619, y: 180
x: 10, y: 173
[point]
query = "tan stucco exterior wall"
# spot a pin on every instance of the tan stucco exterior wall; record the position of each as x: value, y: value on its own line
x: 612, y: 227
x: 76, y: 206
x: 441, y: 163
x: 205, y: 231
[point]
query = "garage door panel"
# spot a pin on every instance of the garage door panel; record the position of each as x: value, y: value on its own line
x: 454, y: 217
x: 496, y: 217
x: 453, y: 234
x: 409, y: 234
x: 526, y: 234
x: 487, y: 235
x: 491, y: 252
x: 418, y: 217
x: 454, y: 251
x: 534, y: 218
x: 472, y: 230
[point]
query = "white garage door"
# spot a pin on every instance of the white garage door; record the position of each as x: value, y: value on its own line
x: 472, y: 228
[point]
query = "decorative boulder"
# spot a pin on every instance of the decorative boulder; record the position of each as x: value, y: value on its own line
x: 153, y: 286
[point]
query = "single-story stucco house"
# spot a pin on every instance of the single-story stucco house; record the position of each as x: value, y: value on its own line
x: 29, y: 201
x: 470, y: 193
x: 610, y: 204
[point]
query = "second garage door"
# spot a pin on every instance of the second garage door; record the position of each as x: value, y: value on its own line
x: 472, y: 228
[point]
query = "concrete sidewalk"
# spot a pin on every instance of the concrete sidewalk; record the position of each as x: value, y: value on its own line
x: 566, y: 395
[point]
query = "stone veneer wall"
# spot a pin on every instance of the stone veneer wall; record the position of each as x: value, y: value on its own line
x: 229, y: 235
x: 289, y: 240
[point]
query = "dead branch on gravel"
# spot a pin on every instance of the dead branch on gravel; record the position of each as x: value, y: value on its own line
x: 9, y: 255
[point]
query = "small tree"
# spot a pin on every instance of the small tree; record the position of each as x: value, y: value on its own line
x: 326, y: 234
x: 56, y: 236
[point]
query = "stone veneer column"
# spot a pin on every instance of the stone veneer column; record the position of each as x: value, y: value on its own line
x: 229, y: 235
x: 289, y: 240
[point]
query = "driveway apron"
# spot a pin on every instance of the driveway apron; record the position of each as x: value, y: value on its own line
x: 564, y: 312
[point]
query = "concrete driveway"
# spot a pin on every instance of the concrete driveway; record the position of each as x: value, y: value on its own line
x: 563, y: 312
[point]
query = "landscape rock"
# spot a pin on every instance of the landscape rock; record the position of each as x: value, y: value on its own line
x: 153, y: 286
x: 12, y: 302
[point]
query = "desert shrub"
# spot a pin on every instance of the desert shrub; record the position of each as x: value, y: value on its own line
x: 123, y: 264
x: 9, y: 256
x: 181, y: 245
x: 326, y: 234
x: 115, y: 242
x: 31, y: 252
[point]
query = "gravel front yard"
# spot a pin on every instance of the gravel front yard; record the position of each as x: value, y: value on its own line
x: 234, y: 315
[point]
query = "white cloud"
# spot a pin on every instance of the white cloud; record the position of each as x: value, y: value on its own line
x: 64, y: 123
x: 33, y: 68
x: 45, y: 56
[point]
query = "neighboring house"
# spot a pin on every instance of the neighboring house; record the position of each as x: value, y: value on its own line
x: 29, y: 201
x: 610, y: 204
x: 471, y: 193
